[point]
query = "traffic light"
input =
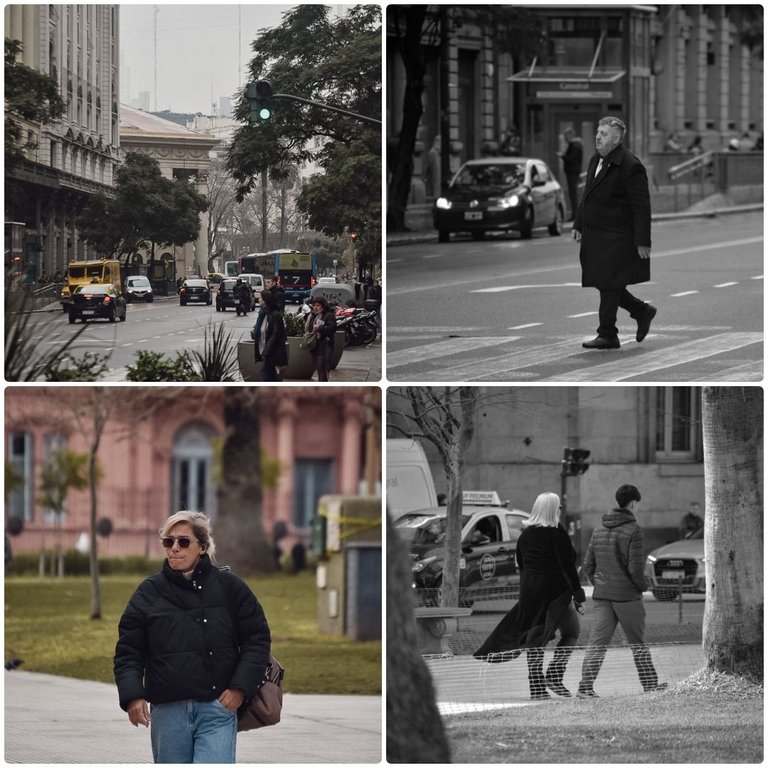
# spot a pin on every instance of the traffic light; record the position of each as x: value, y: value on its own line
x: 575, y: 461
x: 259, y: 94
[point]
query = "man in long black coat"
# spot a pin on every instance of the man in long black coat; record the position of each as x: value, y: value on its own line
x: 613, y: 225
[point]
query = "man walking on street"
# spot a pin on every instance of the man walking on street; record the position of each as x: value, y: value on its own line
x: 613, y: 226
x: 614, y: 563
x: 572, y: 161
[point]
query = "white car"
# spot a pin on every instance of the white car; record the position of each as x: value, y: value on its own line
x: 138, y: 288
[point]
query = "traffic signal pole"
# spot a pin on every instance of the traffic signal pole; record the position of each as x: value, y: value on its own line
x: 364, y: 118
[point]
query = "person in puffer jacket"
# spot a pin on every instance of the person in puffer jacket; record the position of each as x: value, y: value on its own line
x: 614, y: 563
x: 193, y: 645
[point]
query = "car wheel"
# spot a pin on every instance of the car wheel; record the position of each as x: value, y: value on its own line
x: 150, y: 299
x: 478, y: 234
x: 527, y: 229
x: 443, y: 235
x: 663, y: 595
x: 72, y: 318
x: 556, y: 227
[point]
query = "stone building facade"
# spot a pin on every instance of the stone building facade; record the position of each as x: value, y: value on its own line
x: 74, y: 158
x: 314, y: 441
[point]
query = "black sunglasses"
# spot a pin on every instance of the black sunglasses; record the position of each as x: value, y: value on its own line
x: 184, y: 541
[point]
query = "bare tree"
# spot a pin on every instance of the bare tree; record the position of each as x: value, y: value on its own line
x: 414, y: 728
x: 733, y: 533
x: 242, y: 543
x: 221, y: 207
x: 446, y: 417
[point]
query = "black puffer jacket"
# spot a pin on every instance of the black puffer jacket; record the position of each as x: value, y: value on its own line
x: 615, y: 559
x: 177, y: 638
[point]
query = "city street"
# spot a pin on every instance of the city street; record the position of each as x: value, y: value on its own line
x: 506, y: 309
x: 165, y: 327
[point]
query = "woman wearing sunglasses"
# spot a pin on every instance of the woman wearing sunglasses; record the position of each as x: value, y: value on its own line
x: 193, y: 645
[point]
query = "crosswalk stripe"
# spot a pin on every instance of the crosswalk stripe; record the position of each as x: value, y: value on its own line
x: 443, y: 349
x: 751, y: 371
x: 637, y: 364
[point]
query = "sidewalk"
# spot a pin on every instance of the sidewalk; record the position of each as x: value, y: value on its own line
x: 52, y: 719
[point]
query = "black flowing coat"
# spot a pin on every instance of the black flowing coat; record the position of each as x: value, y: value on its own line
x: 614, y: 218
x: 548, y: 583
x: 191, y: 639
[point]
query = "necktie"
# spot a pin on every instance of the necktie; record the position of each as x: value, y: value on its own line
x: 599, y: 166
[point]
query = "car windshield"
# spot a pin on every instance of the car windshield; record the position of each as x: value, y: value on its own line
x: 195, y: 283
x: 697, y: 534
x: 138, y: 282
x: 424, y: 529
x: 93, y: 290
x: 503, y: 175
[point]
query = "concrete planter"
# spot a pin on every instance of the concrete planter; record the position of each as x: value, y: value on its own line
x: 301, y: 364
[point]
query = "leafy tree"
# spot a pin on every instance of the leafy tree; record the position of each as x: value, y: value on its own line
x: 62, y: 471
x: 30, y: 95
x: 420, y: 33
x: 146, y: 210
x: 733, y: 529
x: 341, y: 68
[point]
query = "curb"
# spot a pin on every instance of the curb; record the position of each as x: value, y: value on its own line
x: 431, y: 235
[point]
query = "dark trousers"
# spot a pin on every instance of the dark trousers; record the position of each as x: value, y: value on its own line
x: 568, y: 627
x: 269, y: 372
x: 607, y: 615
x: 610, y: 301
x: 322, y: 359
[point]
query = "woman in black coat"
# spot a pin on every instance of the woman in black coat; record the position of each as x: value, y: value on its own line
x: 549, y: 584
x: 193, y: 646
x: 270, y: 342
x: 322, y: 321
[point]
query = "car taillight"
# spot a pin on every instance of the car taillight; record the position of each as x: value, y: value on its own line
x: 183, y: 289
x: 312, y: 281
x: 107, y: 299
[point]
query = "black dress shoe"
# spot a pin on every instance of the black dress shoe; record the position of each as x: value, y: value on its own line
x: 587, y: 693
x: 602, y: 342
x: 557, y: 687
x: 644, y: 323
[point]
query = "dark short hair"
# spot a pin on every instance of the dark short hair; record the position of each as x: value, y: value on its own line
x: 320, y: 300
x: 627, y: 493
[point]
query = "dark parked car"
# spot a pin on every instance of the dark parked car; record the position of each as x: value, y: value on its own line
x: 225, y: 296
x: 90, y: 302
x: 489, y: 534
x: 678, y: 566
x: 500, y: 193
x: 195, y: 289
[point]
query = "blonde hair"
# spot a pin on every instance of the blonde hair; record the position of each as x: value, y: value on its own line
x: 201, y: 527
x: 545, y: 511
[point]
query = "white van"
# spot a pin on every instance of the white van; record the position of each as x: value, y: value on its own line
x: 410, y: 484
x: 255, y: 280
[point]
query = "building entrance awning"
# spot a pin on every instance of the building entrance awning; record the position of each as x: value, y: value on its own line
x: 584, y: 76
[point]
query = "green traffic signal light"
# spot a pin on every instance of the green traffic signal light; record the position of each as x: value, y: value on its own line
x: 264, y: 113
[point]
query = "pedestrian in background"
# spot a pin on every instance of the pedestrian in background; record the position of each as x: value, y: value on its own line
x: 692, y: 519
x: 573, y: 158
x: 432, y: 169
x: 193, y: 645
x: 549, y: 587
x: 613, y: 228
x: 615, y: 564
x: 322, y: 321
x: 511, y: 143
x: 270, y: 343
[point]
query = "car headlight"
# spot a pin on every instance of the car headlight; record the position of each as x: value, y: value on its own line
x: 651, y: 559
x: 443, y: 204
x: 509, y: 202
x: 422, y: 564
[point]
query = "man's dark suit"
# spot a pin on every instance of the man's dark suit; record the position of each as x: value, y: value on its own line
x: 614, y: 218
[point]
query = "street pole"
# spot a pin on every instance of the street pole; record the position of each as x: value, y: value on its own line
x: 445, y: 95
x: 364, y: 118
x: 563, y: 483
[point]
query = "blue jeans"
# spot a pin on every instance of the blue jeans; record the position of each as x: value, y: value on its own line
x: 193, y: 732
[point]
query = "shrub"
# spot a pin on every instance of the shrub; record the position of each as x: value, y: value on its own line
x: 78, y: 564
x: 294, y: 323
x: 155, y: 366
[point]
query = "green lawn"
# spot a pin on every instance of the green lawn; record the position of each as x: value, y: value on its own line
x: 47, y: 625
x: 709, y: 723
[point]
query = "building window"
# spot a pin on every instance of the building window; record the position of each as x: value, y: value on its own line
x: 21, y: 459
x: 678, y: 423
x: 52, y: 443
x: 312, y: 479
x: 192, y: 470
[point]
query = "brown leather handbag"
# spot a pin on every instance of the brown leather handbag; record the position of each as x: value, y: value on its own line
x: 265, y: 707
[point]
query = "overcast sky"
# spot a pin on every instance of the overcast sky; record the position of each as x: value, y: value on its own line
x: 202, y: 51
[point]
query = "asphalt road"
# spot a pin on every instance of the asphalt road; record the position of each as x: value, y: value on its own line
x: 505, y: 309
x: 166, y: 327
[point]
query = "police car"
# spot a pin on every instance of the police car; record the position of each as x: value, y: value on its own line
x: 489, y: 534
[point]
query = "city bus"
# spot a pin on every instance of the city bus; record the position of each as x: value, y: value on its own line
x: 296, y: 272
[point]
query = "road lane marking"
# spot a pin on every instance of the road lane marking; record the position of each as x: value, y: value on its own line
x: 682, y: 293
x: 501, y: 288
x: 520, y: 327
x: 584, y: 314
x: 638, y: 363
x: 444, y: 349
x: 725, y: 285
x: 756, y: 277
x: 751, y: 371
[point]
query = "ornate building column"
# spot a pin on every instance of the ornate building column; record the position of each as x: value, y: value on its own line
x: 351, y: 445
x: 286, y: 412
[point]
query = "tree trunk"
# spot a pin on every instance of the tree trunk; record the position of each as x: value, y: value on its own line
x: 733, y: 529
x: 414, y: 727
x: 239, y: 532
x: 94, y: 549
